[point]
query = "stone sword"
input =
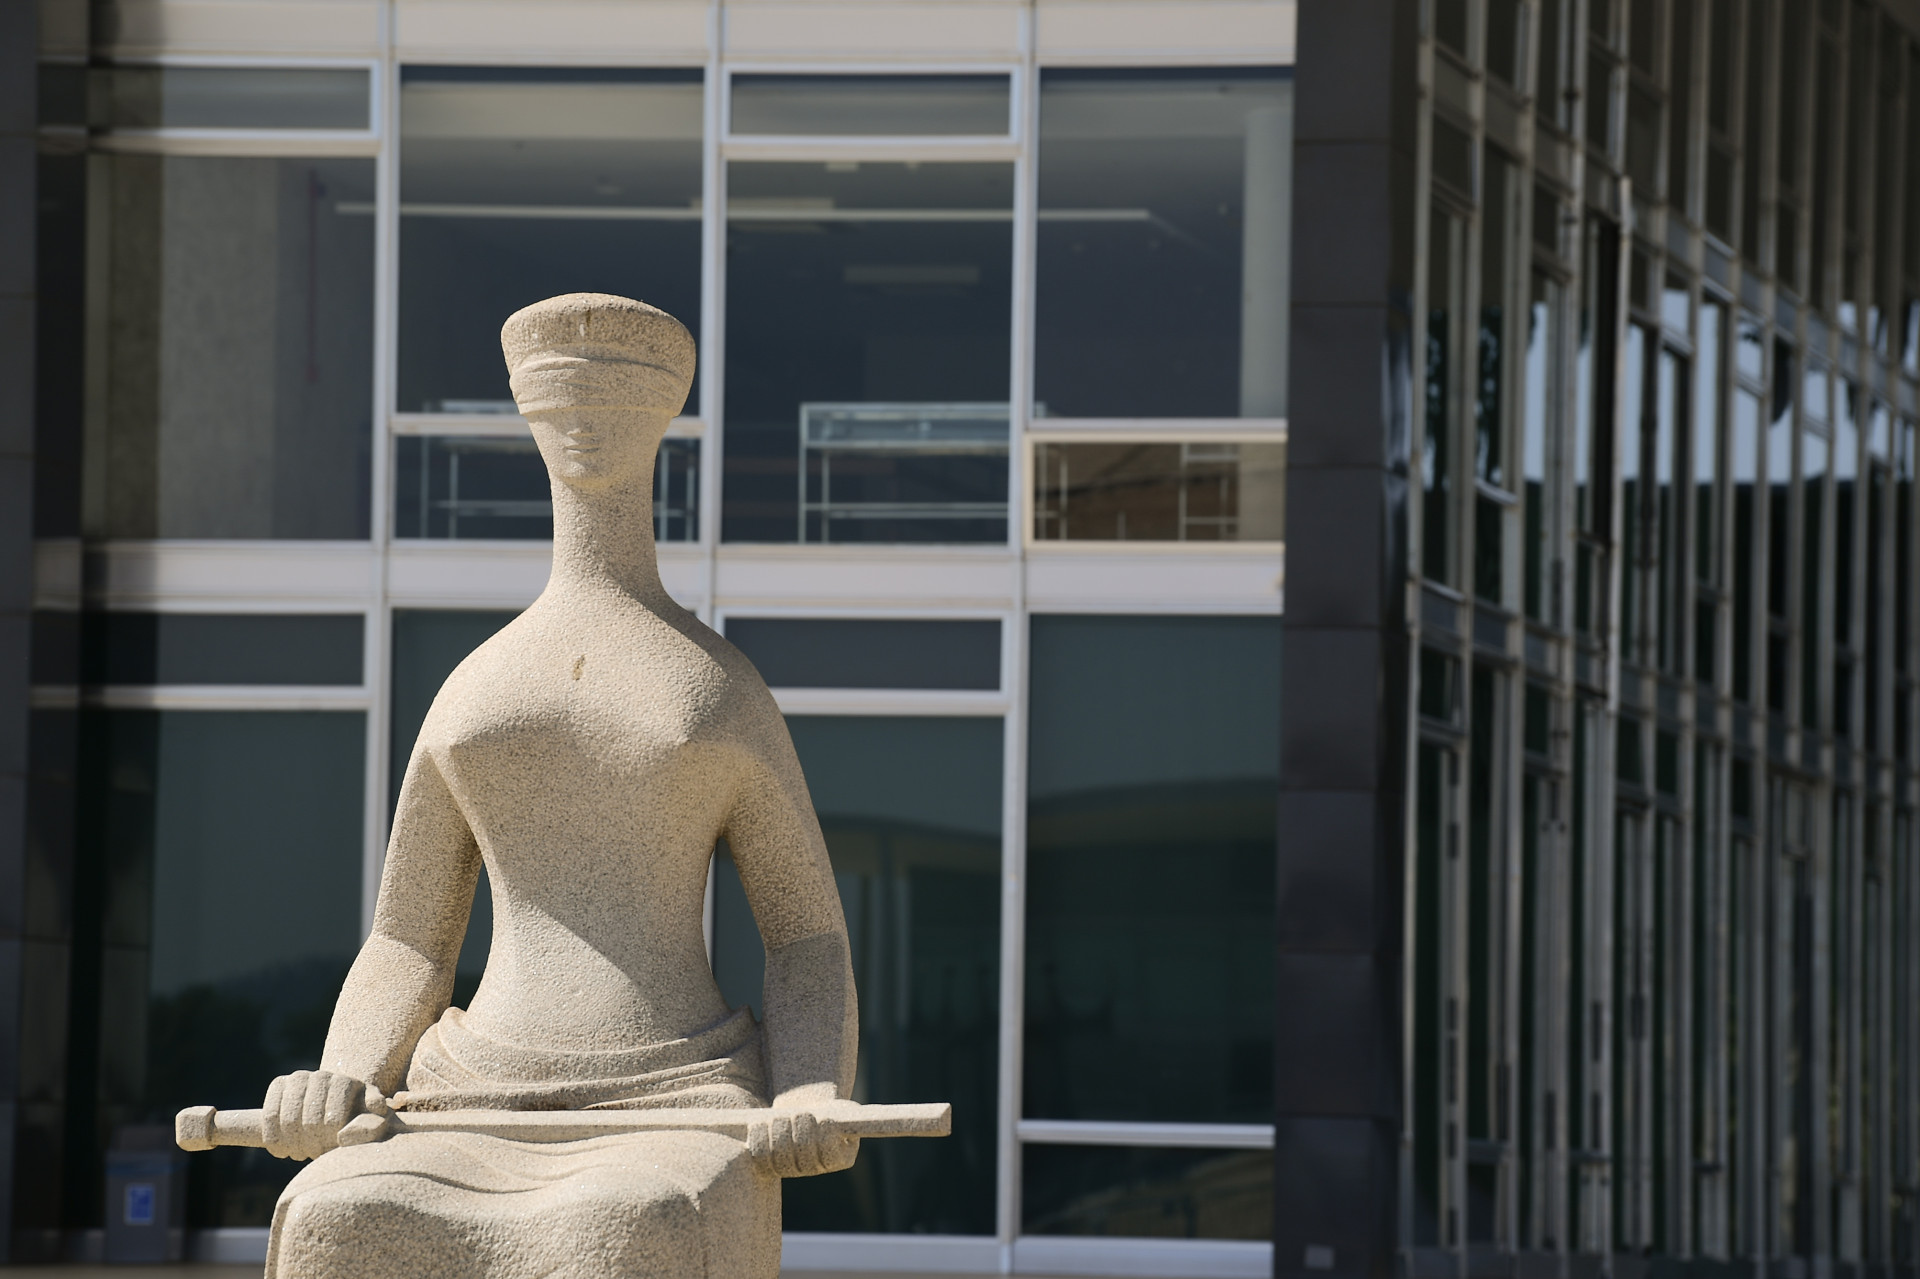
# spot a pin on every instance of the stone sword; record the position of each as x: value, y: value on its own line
x: 203, y: 1127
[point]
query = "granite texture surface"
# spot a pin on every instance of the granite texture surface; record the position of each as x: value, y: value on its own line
x: 589, y: 755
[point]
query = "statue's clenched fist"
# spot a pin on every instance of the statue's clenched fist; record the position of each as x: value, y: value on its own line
x: 305, y: 1111
x: 799, y: 1143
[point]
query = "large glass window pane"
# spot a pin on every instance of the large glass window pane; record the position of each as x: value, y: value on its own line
x: 1815, y: 459
x: 911, y: 811
x: 1154, y: 749
x: 427, y: 645
x: 200, y: 818
x: 1162, y: 258
x: 871, y: 105
x: 520, y: 184
x: 1744, y: 468
x: 1444, y: 339
x: 871, y: 652
x: 868, y: 352
x: 222, y: 648
x: 232, y: 98
x: 1157, y: 1193
x: 1541, y: 419
x: 237, y: 347
x: 461, y: 486
x: 1159, y: 491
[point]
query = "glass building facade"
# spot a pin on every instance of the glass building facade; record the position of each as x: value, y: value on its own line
x: 984, y: 468
x: 1629, y: 288
x: 1568, y: 351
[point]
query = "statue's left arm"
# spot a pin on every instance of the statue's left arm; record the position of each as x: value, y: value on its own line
x: 811, y: 1014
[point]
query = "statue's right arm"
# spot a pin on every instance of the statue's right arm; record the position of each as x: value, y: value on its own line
x: 403, y: 977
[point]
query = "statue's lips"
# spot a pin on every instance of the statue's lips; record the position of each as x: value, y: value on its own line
x: 571, y: 381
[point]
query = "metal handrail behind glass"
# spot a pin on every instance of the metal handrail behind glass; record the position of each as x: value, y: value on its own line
x: 895, y: 430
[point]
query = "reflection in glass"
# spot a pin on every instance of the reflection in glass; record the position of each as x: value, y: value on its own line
x: 559, y: 182
x: 1543, y: 325
x: 1162, y: 259
x: 1436, y: 454
x: 482, y: 486
x: 911, y: 811
x: 871, y: 105
x: 1154, y: 1193
x: 223, y: 648
x: 1154, y: 744
x: 868, y: 340
x: 1634, y: 420
x: 871, y: 652
x: 427, y: 645
x: 237, y: 349
x: 1815, y: 457
x: 1706, y: 447
x: 1670, y: 388
x: 1744, y: 467
x: 199, y: 818
x: 1156, y: 491
x: 1491, y: 464
x: 902, y: 473
x: 231, y: 98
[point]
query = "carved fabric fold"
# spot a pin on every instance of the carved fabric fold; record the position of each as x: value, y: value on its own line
x: 456, y: 1068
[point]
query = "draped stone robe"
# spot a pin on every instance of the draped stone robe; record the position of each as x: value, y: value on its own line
x: 590, y: 755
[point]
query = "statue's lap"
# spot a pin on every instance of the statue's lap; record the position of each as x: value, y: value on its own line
x: 428, y: 1204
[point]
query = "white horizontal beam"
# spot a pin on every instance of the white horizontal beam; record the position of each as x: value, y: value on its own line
x: 1098, y: 1132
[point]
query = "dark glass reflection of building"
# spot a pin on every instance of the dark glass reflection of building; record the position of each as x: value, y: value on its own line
x: 1556, y: 363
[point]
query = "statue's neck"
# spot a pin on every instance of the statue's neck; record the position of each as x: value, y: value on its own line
x: 604, y: 542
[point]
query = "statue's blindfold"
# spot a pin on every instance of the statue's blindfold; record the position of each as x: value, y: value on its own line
x: 562, y: 380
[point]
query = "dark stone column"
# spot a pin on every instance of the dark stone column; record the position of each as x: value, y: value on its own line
x: 1344, y: 730
x: 18, y: 52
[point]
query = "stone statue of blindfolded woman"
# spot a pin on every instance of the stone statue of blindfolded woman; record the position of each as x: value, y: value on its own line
x: 589, y: 755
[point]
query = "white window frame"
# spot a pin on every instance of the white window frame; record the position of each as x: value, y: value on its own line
x: 360, y: 576
x: 175, y: 140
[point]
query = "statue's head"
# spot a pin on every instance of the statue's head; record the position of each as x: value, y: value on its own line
x: 599, y: 377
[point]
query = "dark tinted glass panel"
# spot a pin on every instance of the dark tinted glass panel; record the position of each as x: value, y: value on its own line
x: 1162, y: 257
x: 1548, y: 102
x: 911, y: 812
x: 1163, y: 1193
x: 459, y: 486
x: 222, y: 648
x: 1150, y: 491
x: 811, y: 652
x: 194, y: 819
x: 1643, y: 139
x: 1503, y: 39
x: 1706, y: 446
x: 1744, y: 471
x: 1680, y: 105
x: 873, y: 105
x: 1543, y: 327
x: 868, y: 345
x: 231, y: 98
x: 1442, y: 359
x: 237, y: 348
x: 1154, y: 748
x: 427, y: 645
x: 559, y: 182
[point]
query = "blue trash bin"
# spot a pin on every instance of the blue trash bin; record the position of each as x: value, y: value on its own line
x: 146, y: 1198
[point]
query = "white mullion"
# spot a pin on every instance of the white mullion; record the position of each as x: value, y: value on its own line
x: 1024, y: 88
x: 377, y: 667
x: 1096, y: 1132
x: 712, y: 359
x: 713, y: 307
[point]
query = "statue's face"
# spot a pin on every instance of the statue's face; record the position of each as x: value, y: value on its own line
x: 599, y: 449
